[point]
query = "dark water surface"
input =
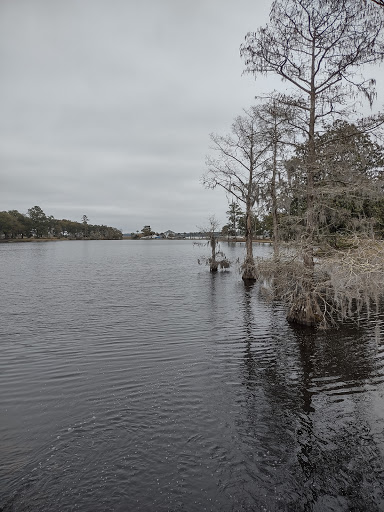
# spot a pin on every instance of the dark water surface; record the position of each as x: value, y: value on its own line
x: 132, y: 379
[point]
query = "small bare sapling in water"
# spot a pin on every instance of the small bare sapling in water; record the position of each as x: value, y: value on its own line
x: 217, y: 260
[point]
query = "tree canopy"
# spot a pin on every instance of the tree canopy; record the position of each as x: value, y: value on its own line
x: 36, y: 223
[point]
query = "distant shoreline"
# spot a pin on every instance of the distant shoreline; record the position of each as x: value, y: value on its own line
x: 19, y: 240
x: 219, y: 239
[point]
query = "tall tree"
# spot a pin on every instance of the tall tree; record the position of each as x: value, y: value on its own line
x: 318, y: 47
x: 234, y: 213
x: 276, y: 123
x: 85, y: 221
x: 7, y: 224
x: 39, y: 221
x: 22, y: 225
x: 238, y: 169
x: 147, y: 231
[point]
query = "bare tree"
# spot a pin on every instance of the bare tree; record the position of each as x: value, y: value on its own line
x: 275, y: 122
x: 217, y: 259
x: 318, y: 46
x: 238, y: 169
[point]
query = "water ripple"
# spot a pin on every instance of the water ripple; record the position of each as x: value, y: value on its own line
x: 173, y: 389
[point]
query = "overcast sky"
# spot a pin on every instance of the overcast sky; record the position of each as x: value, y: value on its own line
x: 107, y: 106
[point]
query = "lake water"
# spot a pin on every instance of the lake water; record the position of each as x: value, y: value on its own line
x: 132, y: 379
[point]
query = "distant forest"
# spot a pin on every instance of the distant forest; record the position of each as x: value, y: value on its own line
x: 35, y: 223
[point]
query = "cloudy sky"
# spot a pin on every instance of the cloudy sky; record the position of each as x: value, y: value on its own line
x: 107, y: 106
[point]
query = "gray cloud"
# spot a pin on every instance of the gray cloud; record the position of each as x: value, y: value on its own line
x: 107, y: 105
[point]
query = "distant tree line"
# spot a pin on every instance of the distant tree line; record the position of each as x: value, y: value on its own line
x: 35, y: 223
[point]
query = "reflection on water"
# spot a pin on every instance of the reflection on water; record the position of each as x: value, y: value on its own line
x: 133, y: 379
x: 320, y: 434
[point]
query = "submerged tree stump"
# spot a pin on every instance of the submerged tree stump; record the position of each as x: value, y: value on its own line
x: 249, y: 270
x: 305, y: 311
x: 248, y: 279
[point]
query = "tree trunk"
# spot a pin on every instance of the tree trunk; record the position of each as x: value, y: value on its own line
x: 274, y: 200
x: 213, y: 264
x: 249, y: 271
x: 304, y: 309
x: 311, y: 163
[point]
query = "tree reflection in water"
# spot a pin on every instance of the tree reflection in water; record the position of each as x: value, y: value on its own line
x: 309, y: 430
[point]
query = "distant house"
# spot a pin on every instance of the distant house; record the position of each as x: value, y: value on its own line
x: 169, y: 234
x: 151, y: 237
